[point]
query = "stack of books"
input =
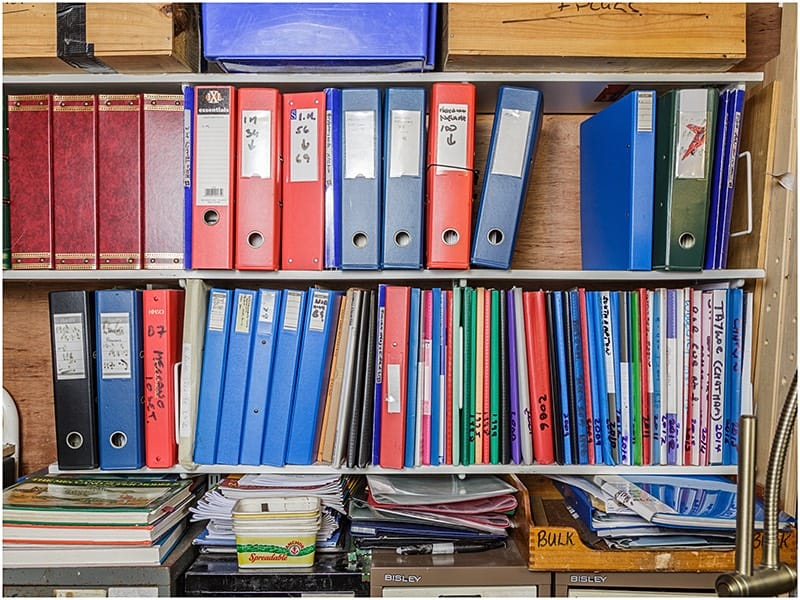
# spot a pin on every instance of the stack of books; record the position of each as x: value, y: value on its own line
x: 218, y: 503
x: 85, y: 520
x: 423, y: 514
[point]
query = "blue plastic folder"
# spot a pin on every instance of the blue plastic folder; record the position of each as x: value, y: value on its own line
x: 212, y: 378
x: 240, y: 339
x: 617, y: 147
x: 319, y: 333
x: 413, y: 358
x: 120, y: 420
x: 296, y: 36
x: 361, y: 127
x: 258, y: 376
x: 403, y: 178
x: 512, y: 147
x: 188, y: 163
x: 282, y: 383
x: 333, y: 178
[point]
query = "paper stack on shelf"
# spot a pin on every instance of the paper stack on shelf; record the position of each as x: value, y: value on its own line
x: 406, y: 510
x: 87, y: 520
x: 217, y: 504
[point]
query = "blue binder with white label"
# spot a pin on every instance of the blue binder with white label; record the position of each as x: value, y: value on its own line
x: 512, y: 147
x: 120, y: 420
x: 321, y: 318
x: 259, y: 373
x: 282, y: 382
x: 617, y: 156
x: 361, y: 178
x: 212, y: 378
x: 403, y: 178
x: 240, y: 339
x: 333, y: 178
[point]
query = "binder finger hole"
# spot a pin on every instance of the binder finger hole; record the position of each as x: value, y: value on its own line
x: 255, y: 239
x: 211, y: 217
x: 118, y: 439
x: 402, y: 238
x: 495, y: 237
x: 74, y: 440
x: 360, y: 240
x: 686, y: 240
x: 450, y: 237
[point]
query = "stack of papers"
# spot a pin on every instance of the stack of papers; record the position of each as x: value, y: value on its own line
x: 400, y: 510
x: 649, y: 511
x: 217, y: 504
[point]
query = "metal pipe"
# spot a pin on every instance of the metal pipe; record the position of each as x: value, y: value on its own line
x: 744, y: 494
x: 774, y: 476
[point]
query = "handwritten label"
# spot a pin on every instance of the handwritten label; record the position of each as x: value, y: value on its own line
x: 451, y: 148
x: 319, y: 308
x: 244, y: 311
x: 155, y: 384
x: 68, y: 338
x: 595, y: 7
x: 554, y: 539
x: 266, y: 312
x: 115, y: 345
x: 690, y: 160
x: 512, y: 138
x: 219, y: 309
x: 256, y: 128
x: 303, y: 144
x: 359, y: 144
x: 406, y: 144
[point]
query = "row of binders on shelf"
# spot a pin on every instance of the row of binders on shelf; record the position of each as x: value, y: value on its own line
x: 250, y: 178
x: 657, y: 180
x: 400, y: 377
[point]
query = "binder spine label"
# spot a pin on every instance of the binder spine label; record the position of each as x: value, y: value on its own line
x: 115, y: 345
x: 291, y: 316
x: 692, y: 122
x: 451, y: 151
x: 68, y: 335
x: 266, y: 313
x: 256, y: 147
x: 303, y: 145
x: 213, y: 135
x: 185, y: 417
x: 393, y: 403
x: 512, y: 137
x: 359, y: 144
x: 244, y: 308
x: 405, y: 144
x: 319, y: 308
x: 644, y: 112
x: 216, y: 318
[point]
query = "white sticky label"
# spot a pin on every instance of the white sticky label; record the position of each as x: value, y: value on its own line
x: 393, y: 391
x: 115, y: 345
x: 266, y: 312
x: 212, y: 159
x: 451, y: 149
x: 68, y: 337
x: 319, y: 308
x: 644, y: 111
x: 304, y: 144
x: 244, y: 310
x: 216, y: 318
x: 291, y: 315
x: 256, y: 128
x: 359, y: 144
x: 405, y: 145
x: 690, y: 161
x: 512, y: 137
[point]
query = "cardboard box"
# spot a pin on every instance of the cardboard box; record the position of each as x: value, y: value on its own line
x: 592, y: 36
x: 100, y: 38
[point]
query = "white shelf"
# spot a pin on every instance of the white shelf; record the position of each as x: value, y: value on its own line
x: 563, y: 92
x: 409, y: 276
x: 428, y: 470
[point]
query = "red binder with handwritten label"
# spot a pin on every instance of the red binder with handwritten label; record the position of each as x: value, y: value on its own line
x: 213, y: 178
x: 535, y: 312
x: 450, y: 175
x: 303, y: 219
x: 258, y: 168
x: 163, y: 331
